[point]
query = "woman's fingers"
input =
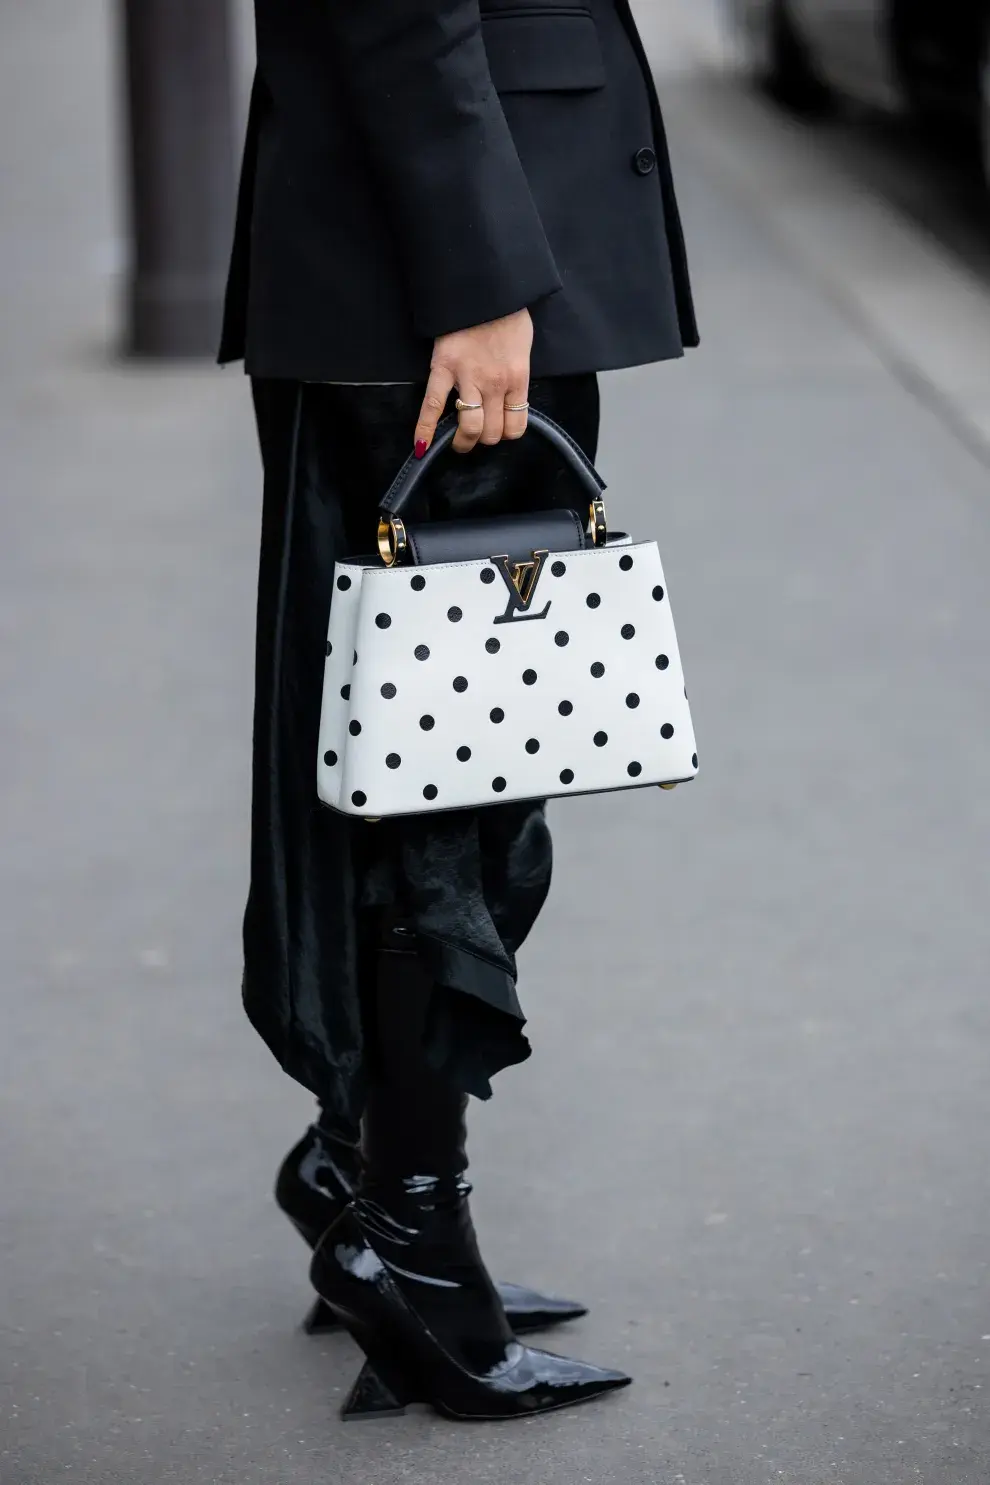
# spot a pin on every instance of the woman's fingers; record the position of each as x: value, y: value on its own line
x: 489, y: 365
x: 517, y: 405
x: 470, y: 419
x: 438, y: 389
x: 494, y: 414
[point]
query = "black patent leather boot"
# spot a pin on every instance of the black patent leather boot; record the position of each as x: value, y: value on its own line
x: 401, y: 1266
x: 316, y: 1181
x: 401, y: 1269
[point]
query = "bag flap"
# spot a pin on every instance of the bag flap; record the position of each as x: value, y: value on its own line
x: 516, y: 537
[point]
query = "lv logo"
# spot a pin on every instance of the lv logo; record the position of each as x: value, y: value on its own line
x: 521, y: 579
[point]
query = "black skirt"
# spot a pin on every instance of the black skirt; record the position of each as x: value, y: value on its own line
x: 472, y: 882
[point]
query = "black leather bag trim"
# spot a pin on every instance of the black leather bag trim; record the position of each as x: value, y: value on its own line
x: 414, y: 471
x: 516, y: 537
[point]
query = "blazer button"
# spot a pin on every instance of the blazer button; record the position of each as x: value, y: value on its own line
x: 644, y: 161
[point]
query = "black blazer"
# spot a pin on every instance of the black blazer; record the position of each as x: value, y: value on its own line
x: 417, y: 166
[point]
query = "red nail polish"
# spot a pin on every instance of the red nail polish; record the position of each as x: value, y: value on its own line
x: 420, y: 448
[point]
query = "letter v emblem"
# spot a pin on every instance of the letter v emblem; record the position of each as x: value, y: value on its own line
x: 521, y: 579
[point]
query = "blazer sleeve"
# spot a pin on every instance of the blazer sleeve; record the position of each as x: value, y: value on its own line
x: 469, y: 235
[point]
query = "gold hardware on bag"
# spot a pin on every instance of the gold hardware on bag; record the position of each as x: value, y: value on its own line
x: 520, y: 579
x: 392, y: 541
x: 597, y: 524
x: 667, y: 786
x: 526, y: 575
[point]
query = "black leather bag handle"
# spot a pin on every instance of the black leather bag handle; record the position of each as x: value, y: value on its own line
x: 413, y: 472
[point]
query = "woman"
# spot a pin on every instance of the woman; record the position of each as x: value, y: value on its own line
x: 440, y: 199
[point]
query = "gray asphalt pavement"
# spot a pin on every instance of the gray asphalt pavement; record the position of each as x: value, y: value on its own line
x: 753, y: 1135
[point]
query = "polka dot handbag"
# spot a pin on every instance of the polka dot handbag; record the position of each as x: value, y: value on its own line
x: 477, y: 662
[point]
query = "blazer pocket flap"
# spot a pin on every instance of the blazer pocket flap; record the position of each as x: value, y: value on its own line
x: 543, y: 51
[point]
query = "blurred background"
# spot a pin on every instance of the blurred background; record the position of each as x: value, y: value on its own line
x: 775, y: 1198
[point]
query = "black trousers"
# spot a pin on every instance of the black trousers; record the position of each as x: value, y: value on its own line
x: 471, y: 882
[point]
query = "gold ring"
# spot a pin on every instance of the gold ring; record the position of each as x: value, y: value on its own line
x: 516, y: 406
x: 392, y: 540
x: 468, y: 406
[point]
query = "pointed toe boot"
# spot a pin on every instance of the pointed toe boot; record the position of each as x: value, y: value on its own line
x: 320, y: 1174
x: 402, y: 1272
x: 401, y: 1268
x: 316, y: 1181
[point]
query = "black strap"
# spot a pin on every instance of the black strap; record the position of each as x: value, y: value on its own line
x: 414, y: 470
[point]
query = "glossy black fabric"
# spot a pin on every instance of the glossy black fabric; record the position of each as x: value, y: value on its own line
x: 415, y: 1296
x: 316, y: 1181
x: 401, y: 1264
x: 413, y: 167
x: 472, y: 882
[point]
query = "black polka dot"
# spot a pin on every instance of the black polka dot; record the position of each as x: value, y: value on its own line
x: 427, y: 723
x: 345, y: 693
x: 598, y: 670
x: 497, y: 714
x: 354, y: 729
x: 632, y: 701
x: 418, y: 583
x: 488, y: 574
x: 529, y: 677
x: 492, y: 646
x: 634, y: 770
x: 454, y: 614
x: 567, y: 776
x: 565, y: 708
x: 628, y: 631
x: 422, y: 652
x: 330, y: 759
x: 601, y: 738
x: 558, y: 569
x: 625, y: 563
x: 430, y: 792
x: 533, y: 746
x: 359, y: 799
x: 343, y: 582
x: 666, y: 730
x: 355, y: 657
x: 463, y: 754
x: 694, y: 760
x: 383, y: 620
x: 662, y: 662
x: 658, y: 593
x: 562, y: 638
x: 393, y: 760
x: 498, y: 785
x: 460, y: 683
x: 388, y: 691
x: 593, y: 600
x: 329, y: 648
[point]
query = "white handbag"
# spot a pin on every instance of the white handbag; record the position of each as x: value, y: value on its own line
x: 480, y: 661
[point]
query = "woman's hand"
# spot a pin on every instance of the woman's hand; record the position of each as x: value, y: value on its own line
x: 489, y: 365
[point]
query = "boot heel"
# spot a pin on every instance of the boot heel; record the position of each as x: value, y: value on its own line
x: 321, y: 1320
x: 370, y: 1397
x: 382, y: 1389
